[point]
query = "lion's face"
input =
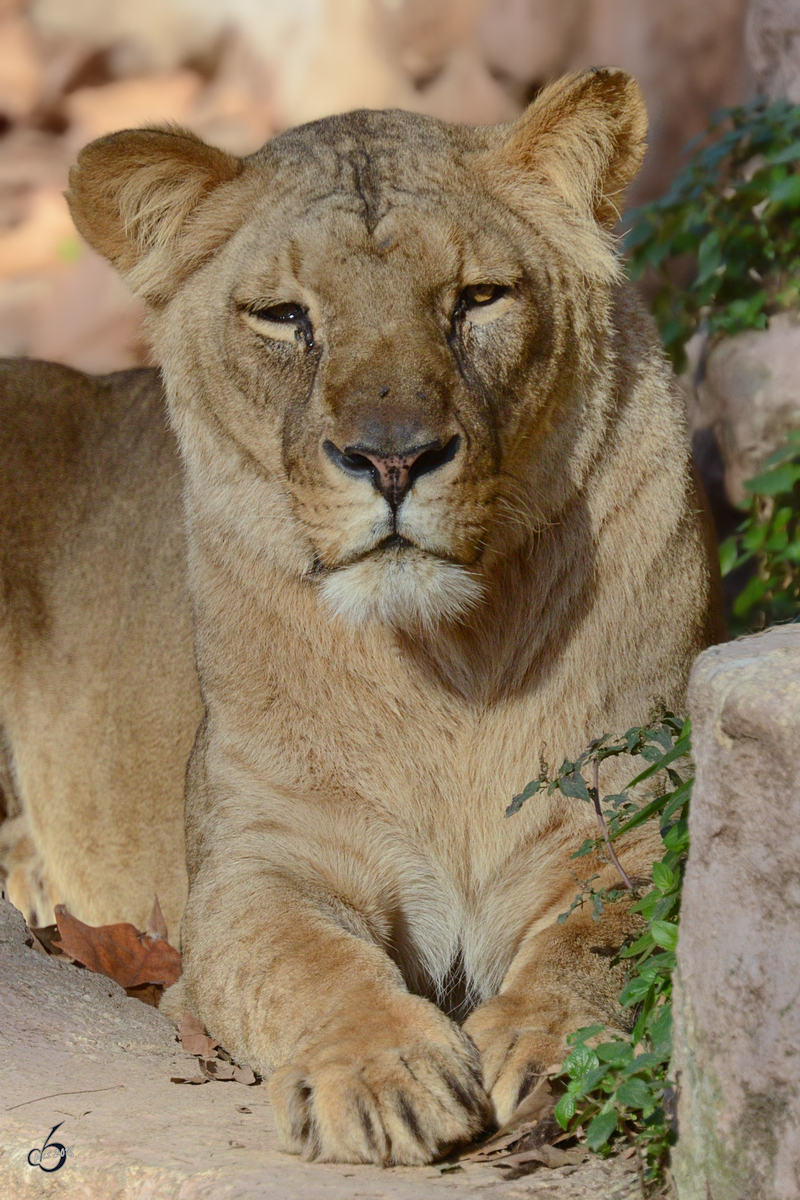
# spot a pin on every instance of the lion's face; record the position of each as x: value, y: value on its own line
x: 387, y: 332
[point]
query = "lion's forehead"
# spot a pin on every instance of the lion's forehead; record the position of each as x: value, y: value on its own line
x: 371, y: 164
x: 364, y: 221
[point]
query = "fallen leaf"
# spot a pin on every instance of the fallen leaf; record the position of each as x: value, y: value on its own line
x: 194, y: 1079
x: 548, y: 1156
x: 214, y: 1068
x: 47, y: 937
x: 194, y: 1038
x: 148, y: 993
x: 156, y: 925
x: 530, y: 1123
x: 119, y: 951
x: 245, y: 1075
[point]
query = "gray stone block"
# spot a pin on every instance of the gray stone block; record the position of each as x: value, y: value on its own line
x: 738, y: 997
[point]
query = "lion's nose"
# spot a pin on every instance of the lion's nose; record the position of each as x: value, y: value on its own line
x: 393, y: 474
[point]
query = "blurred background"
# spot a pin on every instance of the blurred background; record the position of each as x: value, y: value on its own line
x: 239, y: 71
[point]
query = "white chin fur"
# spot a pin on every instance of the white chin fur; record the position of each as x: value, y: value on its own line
x: 404, y: 591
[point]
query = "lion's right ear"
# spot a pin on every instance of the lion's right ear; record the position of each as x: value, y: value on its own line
x: 137, y: 197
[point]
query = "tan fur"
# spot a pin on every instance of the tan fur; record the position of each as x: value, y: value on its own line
x: 368, y: 709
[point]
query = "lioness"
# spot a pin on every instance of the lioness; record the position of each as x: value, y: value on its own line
x: 439, y: 525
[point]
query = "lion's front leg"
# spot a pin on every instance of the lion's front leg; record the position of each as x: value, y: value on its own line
x: 361, y: 1070
x: 560, y: 980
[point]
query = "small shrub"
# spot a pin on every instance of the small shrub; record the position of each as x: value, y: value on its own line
x: 724, y: 241
x: 618, y: 1087
x: 769, y: 537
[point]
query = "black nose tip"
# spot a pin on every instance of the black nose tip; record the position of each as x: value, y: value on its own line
x: 395, y: 473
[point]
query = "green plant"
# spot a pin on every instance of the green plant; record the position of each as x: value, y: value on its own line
x: 618, y: 1086
x: 769, y: 536
x: 724, y: 241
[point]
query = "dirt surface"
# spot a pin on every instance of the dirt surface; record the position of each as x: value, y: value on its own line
x: 77, y: 1050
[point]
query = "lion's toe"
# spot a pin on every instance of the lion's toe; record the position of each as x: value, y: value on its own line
x: 386, y: 1103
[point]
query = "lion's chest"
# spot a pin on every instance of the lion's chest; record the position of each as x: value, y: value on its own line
x: 413, y: 797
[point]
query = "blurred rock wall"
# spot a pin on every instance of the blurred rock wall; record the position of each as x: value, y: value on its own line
x: 238, y: 71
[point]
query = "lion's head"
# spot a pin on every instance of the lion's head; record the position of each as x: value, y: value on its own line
x: 388, y: 318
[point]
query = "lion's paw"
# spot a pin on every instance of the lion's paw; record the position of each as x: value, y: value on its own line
x: 514, y: 1052
x: 397, y: 1087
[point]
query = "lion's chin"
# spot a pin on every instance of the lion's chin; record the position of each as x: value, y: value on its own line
x: 405, y: 590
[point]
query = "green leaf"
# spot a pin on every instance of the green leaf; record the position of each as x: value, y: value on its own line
x: 777, y: 481
x: 665, y: 934
x: 635, y: 1093
x: 600, y: 1129
x: 728, y: 555
x: 709, y: 256
x: 661, y: 1029
x: 615, y: 1053
x: 574, y: 786
x: 647, y: 1062
x: 786, y: 193
x: 680, y: 748
x: 529, y: 790
x: 581, y: 1060
x: 600, y: 1079
x: 634, y: 991
x: 749, y: 596
x: 663, y: 877
x: 584, y: 1033
x: 787, y: 155
x: 564, y: 1111
x: 585, y: 848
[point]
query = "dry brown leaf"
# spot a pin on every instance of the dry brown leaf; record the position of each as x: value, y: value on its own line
x: 119, y: 951
x: 245, y: 1075
x: 194, y: 1079
x: 194, y: 1038
x: 548, y: 1156
x: 224, y: 1072
x: 47, y: 936
x: 148, y: 993
x: 529, y: 1123
x: 156, y: 925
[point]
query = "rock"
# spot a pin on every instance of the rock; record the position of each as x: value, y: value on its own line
x: 772, y: 37
x: 737, y: 1058
x: 748, y: 391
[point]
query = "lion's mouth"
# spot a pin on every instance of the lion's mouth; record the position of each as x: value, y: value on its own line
x: 394, y: 548
x: 396, y: 541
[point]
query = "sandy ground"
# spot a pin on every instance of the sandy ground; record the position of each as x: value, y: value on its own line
x: 78, y: 1051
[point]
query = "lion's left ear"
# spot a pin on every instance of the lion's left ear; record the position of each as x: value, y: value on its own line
x: 584, y: 136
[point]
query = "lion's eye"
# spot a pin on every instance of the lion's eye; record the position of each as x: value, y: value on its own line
x: 282, y: 313
x: 481, y: 294
x: 282, y: 322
